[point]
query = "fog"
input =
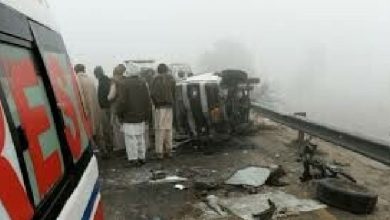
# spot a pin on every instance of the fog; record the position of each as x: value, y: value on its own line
x: 330, y: 59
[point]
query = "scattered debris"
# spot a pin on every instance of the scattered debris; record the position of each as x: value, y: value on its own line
x: 250, y: 176
x: 286, y: 212
x: 274, y: 178
x: 196, y: 172
x: 322, y: 170
x: 169, y: 179
x: 246, y: 206
x: 206, y: 212
x: 266, y: 214
x: 158, y: 174
x: 341, y: 164
x: 180, y: 187
x: 213, y: 203
x: 205, y: 185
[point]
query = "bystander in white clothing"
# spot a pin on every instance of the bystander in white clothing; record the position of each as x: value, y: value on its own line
x: 134, y: 140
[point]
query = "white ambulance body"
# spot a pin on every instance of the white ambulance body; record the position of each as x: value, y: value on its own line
x: 47, y: 168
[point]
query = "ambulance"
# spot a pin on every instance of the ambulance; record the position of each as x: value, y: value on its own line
x: 47, y: 166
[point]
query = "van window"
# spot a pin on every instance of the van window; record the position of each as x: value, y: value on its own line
x: 31, y: 114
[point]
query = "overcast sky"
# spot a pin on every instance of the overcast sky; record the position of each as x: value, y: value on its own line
x: 330, y: 58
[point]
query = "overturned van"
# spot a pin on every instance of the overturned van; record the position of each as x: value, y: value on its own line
x: 47, y: 167
x: 213, y: 103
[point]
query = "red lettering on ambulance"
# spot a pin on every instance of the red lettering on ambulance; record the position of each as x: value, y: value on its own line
x: 12, y: 193
x: 35, y: 121
x: 59, y: 82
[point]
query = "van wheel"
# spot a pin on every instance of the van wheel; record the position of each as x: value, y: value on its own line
x: 346, y: 195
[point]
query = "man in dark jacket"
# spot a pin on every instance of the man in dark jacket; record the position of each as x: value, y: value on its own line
x: 163, y: 93
x: 102, y: 93
x: 133, y: 107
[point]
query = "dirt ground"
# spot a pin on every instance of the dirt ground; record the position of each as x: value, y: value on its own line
x: 127, y: 194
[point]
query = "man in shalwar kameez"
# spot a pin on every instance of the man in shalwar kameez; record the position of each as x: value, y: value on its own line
x: 133, y: 107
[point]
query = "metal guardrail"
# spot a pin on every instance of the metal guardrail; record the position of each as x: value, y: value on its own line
x: 371, y: 148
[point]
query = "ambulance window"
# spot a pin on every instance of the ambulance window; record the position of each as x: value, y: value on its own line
x: 63, y: 80
x: 77, y: 127
x: 29, y: 106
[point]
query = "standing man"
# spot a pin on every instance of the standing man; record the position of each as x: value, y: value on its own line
x: 89, y: 102
x: 148, y: 76
x: 102, y: 94
x: 133, y: 107
x: 118, y: 136
x: 163, y: 93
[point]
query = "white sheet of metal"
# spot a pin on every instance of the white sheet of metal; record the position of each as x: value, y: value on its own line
x: 37, y: 10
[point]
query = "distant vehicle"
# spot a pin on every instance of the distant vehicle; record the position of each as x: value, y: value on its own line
x: 146, y: 68
x: 47, y: 167
x: 140, y: 65
x: 180, y: 71
x: 213, y: 103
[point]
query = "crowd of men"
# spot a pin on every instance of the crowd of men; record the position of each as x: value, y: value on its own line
x: 123, y: 108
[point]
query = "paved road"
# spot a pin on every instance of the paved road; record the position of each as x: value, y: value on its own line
x: 127, y: 195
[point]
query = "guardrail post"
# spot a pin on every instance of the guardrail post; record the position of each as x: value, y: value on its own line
x: 301, y: 134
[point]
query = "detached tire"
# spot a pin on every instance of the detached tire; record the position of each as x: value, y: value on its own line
x: 346, y: 195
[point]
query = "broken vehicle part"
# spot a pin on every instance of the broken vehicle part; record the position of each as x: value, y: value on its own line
x: 158, y: 174
x: 180, y: 187
x: 267, y: 214
x: 246, y: 206
x: 250, y: 176
x: 213, y: 203
x: 322, y: 170
x: 275, y: 176
x: 346, y: 195
x: 169, y: 179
